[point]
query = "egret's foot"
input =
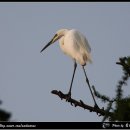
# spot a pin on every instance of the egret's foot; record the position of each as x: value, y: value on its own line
x: 96, y: 106
x: 68, y: 96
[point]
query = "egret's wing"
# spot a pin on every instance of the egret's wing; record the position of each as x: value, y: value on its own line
x: 82, y: 41
x: 73, y: 38
x: 86, y: 45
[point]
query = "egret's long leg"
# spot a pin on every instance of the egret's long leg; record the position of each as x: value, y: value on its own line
x: 90, y: 88
x: 75, y: 66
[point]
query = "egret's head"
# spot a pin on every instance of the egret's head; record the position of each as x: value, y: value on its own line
x: 61, y: 32
x: 57, y: 36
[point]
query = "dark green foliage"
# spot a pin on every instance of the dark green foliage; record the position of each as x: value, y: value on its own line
x: 104, y: 98
x: 121, y: 108
x: 4, y: 115
x: 125, y: 63
x: 109, y: 106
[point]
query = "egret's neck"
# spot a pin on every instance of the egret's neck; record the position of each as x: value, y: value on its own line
x: 61, y: 41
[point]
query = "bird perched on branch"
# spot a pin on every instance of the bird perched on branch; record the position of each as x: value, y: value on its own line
x: 74, y: 44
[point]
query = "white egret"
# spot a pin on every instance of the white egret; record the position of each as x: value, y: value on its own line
x: 74, y: 44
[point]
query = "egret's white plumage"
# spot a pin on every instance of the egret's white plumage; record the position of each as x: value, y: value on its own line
x: 74, y: 44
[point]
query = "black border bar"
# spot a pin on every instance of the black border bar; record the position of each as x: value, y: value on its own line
x: 65, y: 125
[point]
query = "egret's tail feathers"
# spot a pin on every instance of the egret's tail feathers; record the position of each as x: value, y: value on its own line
x: 83, y: 58
x: 88, y: 58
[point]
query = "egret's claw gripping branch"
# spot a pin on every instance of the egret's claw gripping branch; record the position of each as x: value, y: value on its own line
x: 80, y: 103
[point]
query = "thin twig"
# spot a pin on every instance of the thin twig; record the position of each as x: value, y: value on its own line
x: 127, y: 68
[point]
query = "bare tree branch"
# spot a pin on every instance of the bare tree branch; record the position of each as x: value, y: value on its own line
x: 80, y: 103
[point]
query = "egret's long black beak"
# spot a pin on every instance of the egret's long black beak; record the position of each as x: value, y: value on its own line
x: 48, y: 44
